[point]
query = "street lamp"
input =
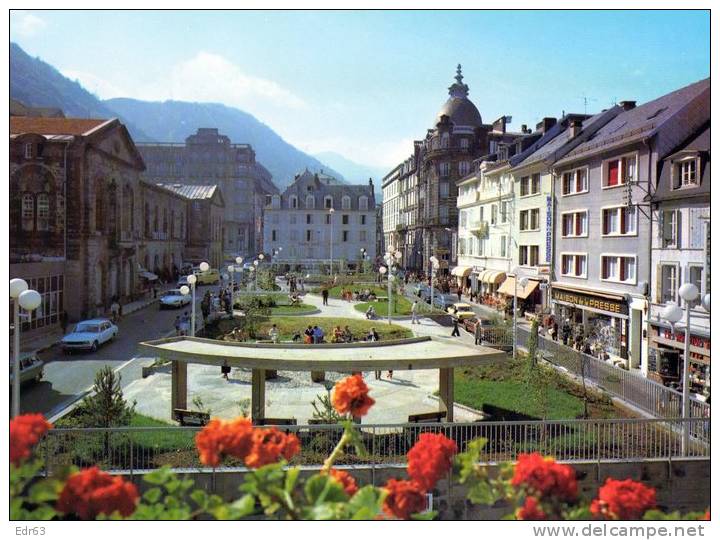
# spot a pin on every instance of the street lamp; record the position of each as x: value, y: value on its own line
x: 231, y: 271
x: 29, y: 300
x: 434, y: 264
x: 254, y: 268
x: 204, y: 267
x: 239, y: 267
x: 192, y: 280
x: 673, y: 313
x: 331, y: 212
x: 524, y: 282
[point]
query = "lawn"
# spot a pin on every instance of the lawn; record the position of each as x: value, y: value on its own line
x: 401, y: 306
x: 503, y: 392
x: 297, y: 309
x: 289, y: 326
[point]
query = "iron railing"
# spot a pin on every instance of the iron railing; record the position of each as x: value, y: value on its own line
x: 652, y: 397
x: 137, y: 449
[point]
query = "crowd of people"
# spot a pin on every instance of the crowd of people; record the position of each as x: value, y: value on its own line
x: 316, y: 334
x: 222, y: 301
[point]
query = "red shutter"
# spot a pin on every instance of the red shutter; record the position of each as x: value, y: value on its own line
x: 623, y: 221
x: 604, y: 267
x: 606, y: 222
x: 578, y: 268
x: 613, y: 170
x: 578, y: 224
x: 623, y: 263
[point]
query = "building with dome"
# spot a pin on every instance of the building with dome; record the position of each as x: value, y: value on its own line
x: 420, y: 216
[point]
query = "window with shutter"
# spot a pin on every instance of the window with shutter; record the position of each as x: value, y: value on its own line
x: 613, y: 176
x: 579, y: 265
x: 578, y: 225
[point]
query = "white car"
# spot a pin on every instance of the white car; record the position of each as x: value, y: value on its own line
x: 174, y: 299
x: 89, y: 335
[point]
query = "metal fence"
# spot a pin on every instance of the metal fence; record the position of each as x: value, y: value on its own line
x: 134, y: 450
x: 650, y: 396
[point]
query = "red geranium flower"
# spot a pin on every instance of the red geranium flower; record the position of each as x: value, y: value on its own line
x: 25, y: 432
x: 530, y: 510
x: 268, y: 445
x: 544, y: 477
x: 222, y: 438
x: 430, y: 458
x: 404, y: 498
x: 347, y: 481
x: 92, y: 492
x: 351, y: 395
x: 623, y: 499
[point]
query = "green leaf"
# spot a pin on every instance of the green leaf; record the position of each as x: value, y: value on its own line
x: 291, y: 478
x: 424, y: 516
x: 482, y: 492
x: 200, y: 498
x: 321, y: 488
x: 467, y: 460
x: 159, y: 476
x: 326, y: 511
x: 45, y: 490
x: 152, y: 495
x: 366, y: 503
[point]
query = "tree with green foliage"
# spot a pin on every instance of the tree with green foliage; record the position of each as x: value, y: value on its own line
x: 538, y: 378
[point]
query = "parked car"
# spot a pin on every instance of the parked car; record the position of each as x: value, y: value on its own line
x: 89, y: 335
x: 472, y: 322
x: 183, y: 282
x: 208, y: 277
x: 31, y: 368
x: 444, y: 301
x: 174, y: 298
x: 461, y: 311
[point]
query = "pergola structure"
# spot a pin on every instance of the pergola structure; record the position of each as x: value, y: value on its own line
x: 401, y: 354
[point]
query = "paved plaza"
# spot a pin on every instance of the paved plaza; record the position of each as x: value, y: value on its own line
x: 291, y: 394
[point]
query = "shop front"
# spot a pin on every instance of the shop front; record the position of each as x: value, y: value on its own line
x: 598, y: 317
x: 529, y: 297
x: 665, y: 357
x: 462, y: 275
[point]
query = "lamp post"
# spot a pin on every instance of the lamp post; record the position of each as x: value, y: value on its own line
x: 331, y: 212
x: 29, y: 300
x: 434, y: 263
x: 673, y: 313
x: 238, y: 267
x: 192, y: 280
x: 523, y: 282
x: 256, y: 264
x: 231, y: 271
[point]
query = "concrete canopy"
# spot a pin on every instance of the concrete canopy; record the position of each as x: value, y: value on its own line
x: 402, y: 354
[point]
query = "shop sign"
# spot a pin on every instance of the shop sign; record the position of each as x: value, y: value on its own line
x: 548, y: 228
x: 695, y: 341
x: 590, y: 300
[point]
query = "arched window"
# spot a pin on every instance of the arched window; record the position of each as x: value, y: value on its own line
x: 293, y: 201
x: 346, y: 202
x: 129, y: 209
x: 363, y: 201
x: 43, y: 212
x: 328, y: 201
x: 99, y: 208
x: 157, y: 218
x: 276, y: 201
x: 28, y: 212
x: 445, y: 140
x: 309, y: 201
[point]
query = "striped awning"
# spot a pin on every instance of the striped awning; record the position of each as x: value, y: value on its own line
x: 461, y: 271
x: 492, y: 276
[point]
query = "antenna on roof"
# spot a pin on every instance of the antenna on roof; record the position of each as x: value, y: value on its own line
x: 585, y: 101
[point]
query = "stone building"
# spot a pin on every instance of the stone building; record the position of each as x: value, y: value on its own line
x: 317, y: 220
x: 681, y: 254
x: 161, y: 248
x: 209, y: 158
x: 205, y: 211
x: 602, y: 277
x: 74, y: 213
x: 444, y: 156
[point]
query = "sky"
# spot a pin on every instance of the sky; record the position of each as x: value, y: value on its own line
x: 365, y: 84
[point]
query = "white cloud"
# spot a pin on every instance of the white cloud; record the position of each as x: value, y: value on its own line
x: 92, y: 83
x: 376, y: 153
x: 211, y: 77
x: 24, y: 24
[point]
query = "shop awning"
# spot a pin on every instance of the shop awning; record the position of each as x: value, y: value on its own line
x: 492, y: 276
x: 148, y: 275
x: 461, y: 271
x: 606, y: 294
x: 508, y: 288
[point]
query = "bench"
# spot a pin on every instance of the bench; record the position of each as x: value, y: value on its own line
x: 275, y: 422
x: 191, y: 418
x: 435, y: 416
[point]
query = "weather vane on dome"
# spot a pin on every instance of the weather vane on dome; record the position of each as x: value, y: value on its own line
x: 459, y: 89
x: 459, y: 75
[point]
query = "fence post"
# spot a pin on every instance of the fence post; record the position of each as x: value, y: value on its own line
x: 132, y: 460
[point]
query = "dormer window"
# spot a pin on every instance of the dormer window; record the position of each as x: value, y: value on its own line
x: 328, y: 202
x: 29, y: 150
x: 346, y: 203
x: 686, y: 173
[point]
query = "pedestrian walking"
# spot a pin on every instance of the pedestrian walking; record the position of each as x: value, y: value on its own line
x: 413, y: 312
x: 274, y: 333
x: 456, y: 328
x: 325, y: 294
x: 459, y: 294
x: 478, y: 333
x: 225, y: 370
x: 64, y: 321
x: 115, y: 311
x: 177, y: 325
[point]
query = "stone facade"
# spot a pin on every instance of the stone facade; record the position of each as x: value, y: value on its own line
x: 209, y: 158
x: 444, y: 156
x: 300, y: 221
x: 87, y: 244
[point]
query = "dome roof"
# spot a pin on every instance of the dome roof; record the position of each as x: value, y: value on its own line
x: 458, y: 107
x: 462, y: 112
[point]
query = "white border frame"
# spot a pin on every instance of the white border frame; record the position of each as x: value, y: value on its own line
x: 575, y: 253
x: 628, y: 255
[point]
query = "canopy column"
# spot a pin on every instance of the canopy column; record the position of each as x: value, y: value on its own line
x: 258, y: 395
x: 447, y: 392
x: 178, y: 387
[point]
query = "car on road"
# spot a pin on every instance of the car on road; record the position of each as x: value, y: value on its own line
x: 444, y: 301
x: 210, y: 276
x: 89, y: 335
x: 183, y: 282
x: 471, y: 322
x: 174, y: 298
x: 461, y: 311
x: 31, y: 368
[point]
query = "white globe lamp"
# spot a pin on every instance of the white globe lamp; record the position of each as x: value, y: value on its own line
x: 204, y: 267
x: 184, y: 290
x: 17, y: 286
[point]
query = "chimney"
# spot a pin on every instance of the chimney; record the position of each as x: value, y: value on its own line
x: 627, y: 105
x: 524, y: 128
x: 545, y: 124
x: 575, y: 128
x: 370, y: 182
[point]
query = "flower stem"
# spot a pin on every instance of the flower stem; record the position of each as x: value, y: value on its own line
x: 337, y: 451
